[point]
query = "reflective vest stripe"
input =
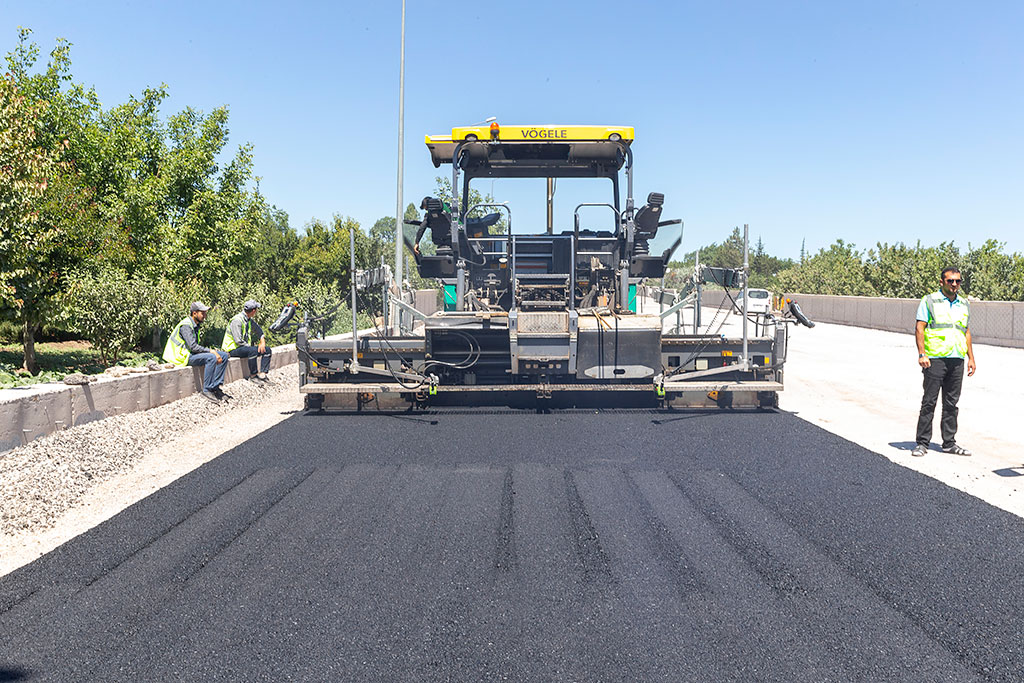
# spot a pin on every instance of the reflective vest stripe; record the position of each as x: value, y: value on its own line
x: 176, y: 352
x: 946, y: 326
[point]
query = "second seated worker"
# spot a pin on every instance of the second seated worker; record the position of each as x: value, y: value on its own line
x: 183, y: 349
x: 238, y: 338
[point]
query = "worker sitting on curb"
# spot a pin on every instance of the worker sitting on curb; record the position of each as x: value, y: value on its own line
x: 238, y: 341
x: 183, y: 349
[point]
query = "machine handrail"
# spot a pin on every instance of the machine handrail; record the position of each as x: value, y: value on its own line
x: 576, y: 216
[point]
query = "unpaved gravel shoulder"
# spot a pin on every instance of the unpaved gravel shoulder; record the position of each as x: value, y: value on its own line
x: 62, y: 485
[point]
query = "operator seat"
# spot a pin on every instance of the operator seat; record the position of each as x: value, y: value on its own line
x: 437, y: 220
x: 646, y: 221
x: 477, y: 227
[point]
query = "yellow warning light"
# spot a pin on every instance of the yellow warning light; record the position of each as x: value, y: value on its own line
x: 495, y: 130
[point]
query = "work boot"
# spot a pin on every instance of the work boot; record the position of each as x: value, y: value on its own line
x: 263, y: 377
x: 210, y: 396
x: 219, y: 393
x: 255, y: 379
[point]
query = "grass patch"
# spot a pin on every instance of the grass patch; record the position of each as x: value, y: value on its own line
x: 57, y: 360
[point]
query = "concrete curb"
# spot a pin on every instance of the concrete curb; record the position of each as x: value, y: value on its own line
x: 29, y: 412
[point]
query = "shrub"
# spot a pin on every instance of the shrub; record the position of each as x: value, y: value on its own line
x: 111, y: 310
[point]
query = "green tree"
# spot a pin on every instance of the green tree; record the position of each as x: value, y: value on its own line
x: 836, y: 270
x: 113, y: 311
x: 764, y: 267
x: 382, y: 236
x: 25, y: 169
x: 323, y: 253
x: 131, y: 181
x: 728, y: 254
x: 909, y: 272
x: 214, y: 219
x: 443, y: 191
x: 43, y: 246
x: 275, y: 246
x: 988, y: 272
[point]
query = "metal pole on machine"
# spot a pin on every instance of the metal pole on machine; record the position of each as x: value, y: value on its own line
x: 696, y: 309
x: 551, y: 206
x: 383, y: 296
x: 399, y: 212
x: 352, y: 279
x: 746, y: 276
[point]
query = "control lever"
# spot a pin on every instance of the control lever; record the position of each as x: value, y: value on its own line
x: 794, y: 308
x: 287, y: 313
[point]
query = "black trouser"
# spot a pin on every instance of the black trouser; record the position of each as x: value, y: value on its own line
x: 946, y: 374
x: 251, y: 352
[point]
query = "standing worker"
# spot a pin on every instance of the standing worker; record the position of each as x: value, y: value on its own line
x: 238, y: 341
x: 943, y: 340
x: 183, y: 349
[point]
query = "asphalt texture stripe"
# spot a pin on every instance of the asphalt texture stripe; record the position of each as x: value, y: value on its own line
x: 620, y: 545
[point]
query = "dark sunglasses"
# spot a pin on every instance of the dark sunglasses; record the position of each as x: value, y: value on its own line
x: 953, y: 282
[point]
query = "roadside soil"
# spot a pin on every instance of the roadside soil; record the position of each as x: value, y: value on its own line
x: 142, y: 453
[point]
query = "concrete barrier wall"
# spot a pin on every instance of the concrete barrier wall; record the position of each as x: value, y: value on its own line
x: 29, y: 412
x: 992, y: 322
x: 1000, y: 323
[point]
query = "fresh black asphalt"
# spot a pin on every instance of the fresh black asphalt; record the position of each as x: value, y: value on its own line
x: 508, y: 545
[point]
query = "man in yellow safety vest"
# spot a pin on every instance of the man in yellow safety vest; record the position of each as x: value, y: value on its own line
x: 943, y: 341
x: 238, y: 341
x: 183, y: 349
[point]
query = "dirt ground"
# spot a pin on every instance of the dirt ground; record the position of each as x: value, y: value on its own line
x: 158, y: 467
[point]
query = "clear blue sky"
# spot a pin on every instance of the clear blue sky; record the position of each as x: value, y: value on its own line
x: 867, y: 121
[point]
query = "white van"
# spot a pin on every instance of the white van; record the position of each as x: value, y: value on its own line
x: 760, y: 301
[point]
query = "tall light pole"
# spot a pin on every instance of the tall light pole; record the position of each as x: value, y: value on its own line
x: 399, y: 211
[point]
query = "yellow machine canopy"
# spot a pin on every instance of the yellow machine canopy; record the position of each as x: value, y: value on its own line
x: 509, y: 151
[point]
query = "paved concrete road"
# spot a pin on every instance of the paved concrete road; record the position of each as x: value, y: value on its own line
x: 570, y: 546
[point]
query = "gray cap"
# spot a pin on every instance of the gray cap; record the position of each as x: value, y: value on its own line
x: 198, y: 306
x: 251, y: 305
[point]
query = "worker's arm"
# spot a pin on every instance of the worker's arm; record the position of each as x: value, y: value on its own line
x: 261, y: 339
x: 419, y: 236
x: 188, y: 335
x: 971, y: 367
x: 922, y: 359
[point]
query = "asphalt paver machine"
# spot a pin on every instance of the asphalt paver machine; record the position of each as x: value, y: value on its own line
x: 544, y: 315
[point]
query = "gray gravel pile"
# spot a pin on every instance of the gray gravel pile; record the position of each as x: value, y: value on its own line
x: 43, y: 479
